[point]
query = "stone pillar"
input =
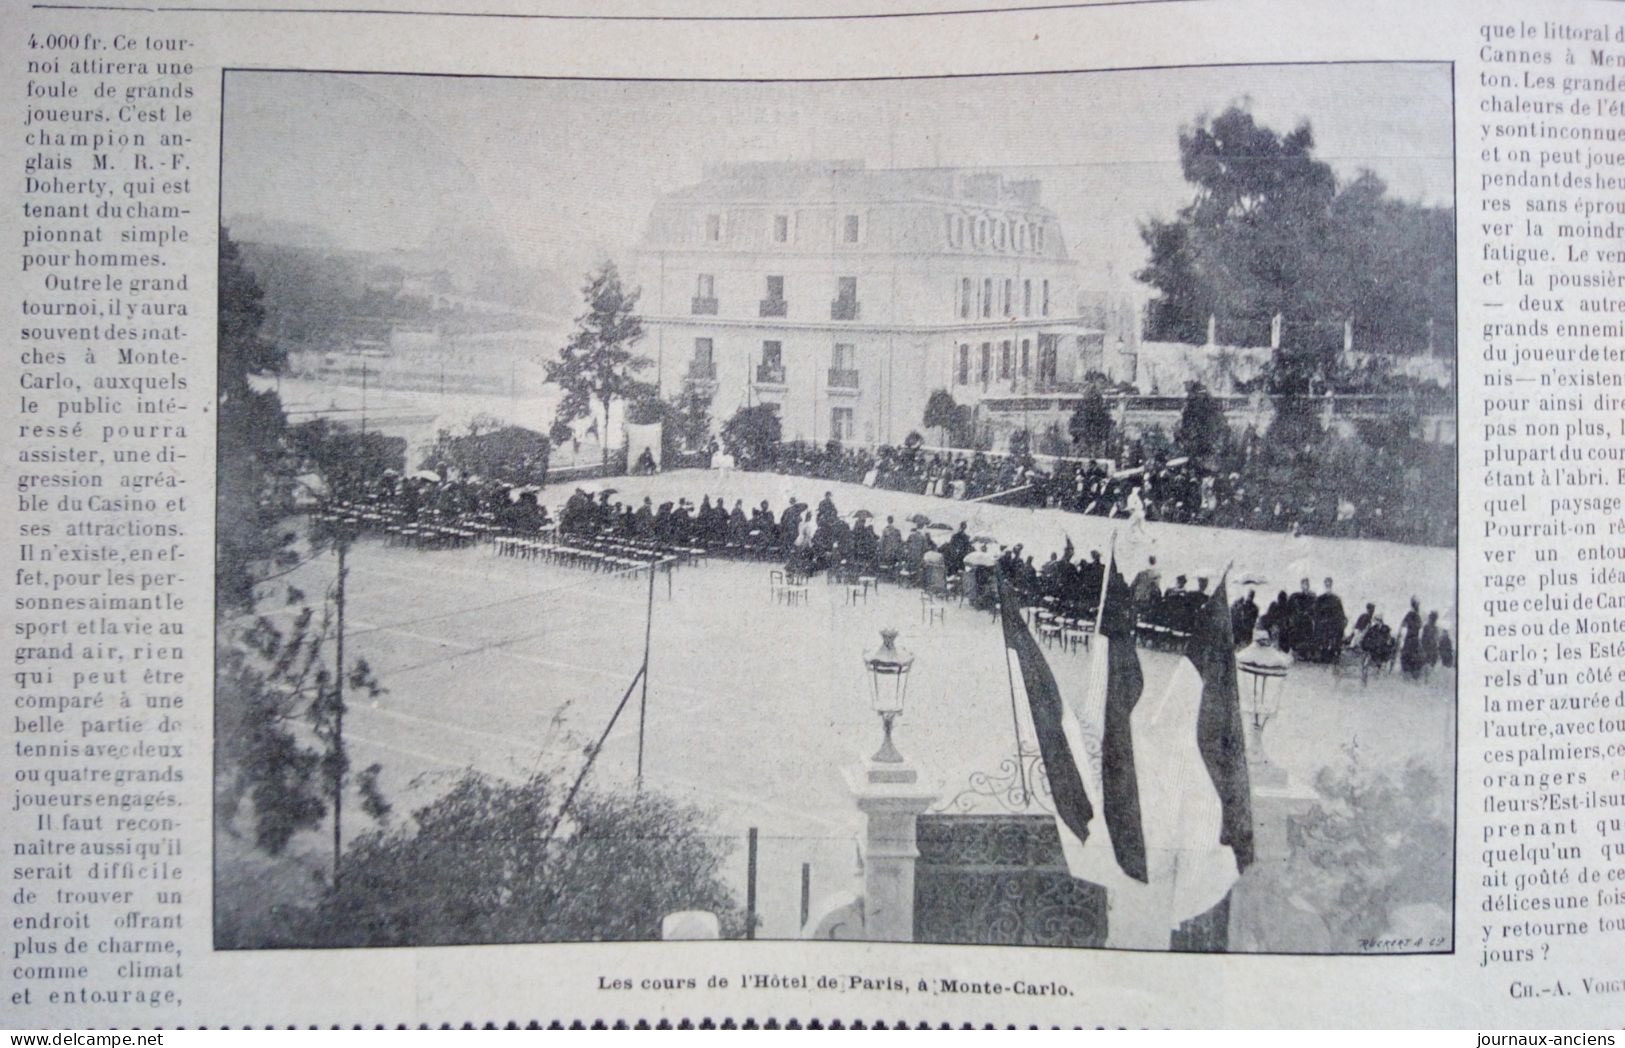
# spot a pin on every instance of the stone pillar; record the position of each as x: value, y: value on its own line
x: 1275, y: 331
x: 891, y: 798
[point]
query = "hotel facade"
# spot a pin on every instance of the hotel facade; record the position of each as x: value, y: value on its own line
x: 845, y: 295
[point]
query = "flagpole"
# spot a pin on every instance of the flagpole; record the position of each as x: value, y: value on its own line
x: 1105, y: 581
x: 1010, y: 677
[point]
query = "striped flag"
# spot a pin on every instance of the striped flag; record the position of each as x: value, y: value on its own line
x: 1196, y: 799
x: 1104, y: 721
x: 1084, y: 764
x: 1170, y: 775
x: 1072, y: 808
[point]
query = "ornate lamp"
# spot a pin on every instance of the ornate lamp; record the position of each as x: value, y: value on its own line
x: 888, y: 667
x: 1262, y: 671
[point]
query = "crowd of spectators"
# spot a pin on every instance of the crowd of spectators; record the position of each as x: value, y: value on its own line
x: 1341, y: 487
x: 1312, y: 627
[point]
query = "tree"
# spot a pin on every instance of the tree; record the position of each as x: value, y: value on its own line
x: 1370, y: 845
x: 941, y: 413
x: 752, y: 433
x: 1091, y: 423
x: 1271, y: 232
x: 685, y: 422
x: 1202, y: 430
x: 598, y: 364
x: 344, y: 460
x: 273, y: 688
x: 511, y: 454
x: 254, y: 486
x: 1020, y: 444
x: 481, y: 864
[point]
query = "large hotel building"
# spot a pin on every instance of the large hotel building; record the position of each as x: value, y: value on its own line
x: 847, y: 295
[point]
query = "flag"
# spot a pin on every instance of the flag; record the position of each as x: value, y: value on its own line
x: 1072, y: 807
x: 1219, y: 731
x: 1119, y: 684
x: 1101, y: 725
x: 1196, y: 800
x: 1089, y: 754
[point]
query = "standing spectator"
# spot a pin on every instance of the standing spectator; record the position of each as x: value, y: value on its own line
x: 1430, y: 643
x: 1330, y: 620
x: 1243, y: 619
x: 1411, y: 660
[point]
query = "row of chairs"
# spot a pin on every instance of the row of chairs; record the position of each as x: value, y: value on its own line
x: 563, y: 553
x: 1063, y: 631
x: 430, y: 536
x: 787, y: 587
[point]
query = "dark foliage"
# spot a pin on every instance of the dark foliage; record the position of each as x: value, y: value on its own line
x: 476, y: 865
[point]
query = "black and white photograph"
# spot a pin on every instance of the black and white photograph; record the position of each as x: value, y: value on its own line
x: 1003, y: 509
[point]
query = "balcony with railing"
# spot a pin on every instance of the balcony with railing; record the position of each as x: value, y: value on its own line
x: 844, y: 309
x: 774, y: 307
x: 770, y: 375
x: 703, y: 305
x: 701, y: 371
x: 843, y: 378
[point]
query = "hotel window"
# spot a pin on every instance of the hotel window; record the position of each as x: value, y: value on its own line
x: 705, y: 295
x: 713, y: 228
x: 771, y: 369
x: 967, y: 295
x: 998, y: 235
x: 986, y: 371
x: 981, y: 231
x: 964, y: 364
x: 1046, y: 298
x: 1026, y: 350
x: 1021, y: 230
x: 849, y: 232
x: 1009, y: 288
x: 1005, y: 362
x: 959, y: 231
x: 843, y: 366
x: 1038, y: 239
x: 781, y: 228
x: 703, y: 366
x: 775, y: 289
x: 987, y: 296
x: 841, y: 424
x: 1026, y: 298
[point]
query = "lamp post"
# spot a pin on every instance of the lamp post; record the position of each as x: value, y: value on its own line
x: 1263, y: 671
x: 890, y: 796
x: 888, y: 667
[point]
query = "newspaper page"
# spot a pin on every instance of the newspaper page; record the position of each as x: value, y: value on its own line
x: 883, y: 513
